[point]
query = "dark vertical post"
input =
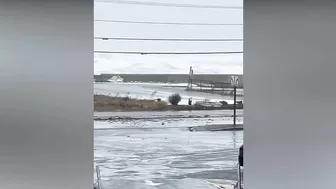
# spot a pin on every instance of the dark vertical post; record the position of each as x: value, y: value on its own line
x: 234, y: 104
x: 191, y: 77
x: 191, y: 73
x: 188, y: 87
x: 191, y: 82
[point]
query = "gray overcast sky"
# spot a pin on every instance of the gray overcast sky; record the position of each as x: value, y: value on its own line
x: 112, y: 11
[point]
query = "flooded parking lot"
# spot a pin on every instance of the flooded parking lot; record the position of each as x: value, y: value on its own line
x: 147, y: 154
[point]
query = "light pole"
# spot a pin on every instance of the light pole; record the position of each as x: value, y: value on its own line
x: 234, y: 82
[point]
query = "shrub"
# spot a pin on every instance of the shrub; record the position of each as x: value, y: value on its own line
x: 174, y: 99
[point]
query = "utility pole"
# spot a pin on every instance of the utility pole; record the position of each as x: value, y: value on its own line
x: 234, y: 82
x: 191, y: 73
x: 234, y: 104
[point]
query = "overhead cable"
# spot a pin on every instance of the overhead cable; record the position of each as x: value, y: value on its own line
x: 167, y: 53
x: 165, y: 39
x: 168, y: 23
x: 143, y: 3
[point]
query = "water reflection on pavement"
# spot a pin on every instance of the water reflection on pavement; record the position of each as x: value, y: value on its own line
x: 164, y: 157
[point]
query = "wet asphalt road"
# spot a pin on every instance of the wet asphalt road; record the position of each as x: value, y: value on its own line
x: 167, y: 156
x: 168, y: 114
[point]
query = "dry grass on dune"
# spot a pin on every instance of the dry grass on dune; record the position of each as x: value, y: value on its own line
x: 104, y: 103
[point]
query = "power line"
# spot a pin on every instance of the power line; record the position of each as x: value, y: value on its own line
x: 160, y: 39
x: 168, y: 23
x: 170, y: 4
x: 166, y: 53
